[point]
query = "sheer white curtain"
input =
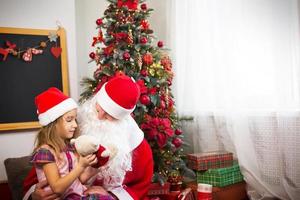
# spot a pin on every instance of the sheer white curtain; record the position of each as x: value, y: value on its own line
x: 237, y: 72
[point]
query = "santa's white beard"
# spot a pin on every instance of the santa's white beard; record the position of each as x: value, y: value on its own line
x: 107, y: 133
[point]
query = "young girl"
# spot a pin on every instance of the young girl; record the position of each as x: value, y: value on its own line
x: 54, y: 158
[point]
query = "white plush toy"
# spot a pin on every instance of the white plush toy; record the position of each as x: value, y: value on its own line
x: 86, y: 144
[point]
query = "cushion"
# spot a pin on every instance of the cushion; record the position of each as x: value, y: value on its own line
x: 16, y: 170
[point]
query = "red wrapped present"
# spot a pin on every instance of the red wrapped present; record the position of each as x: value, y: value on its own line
x: 170, y: 196
x: 158, y: 189
x: 210, y: 160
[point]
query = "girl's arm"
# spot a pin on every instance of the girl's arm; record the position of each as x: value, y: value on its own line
x: 88, y: 173
x: 60, y: 184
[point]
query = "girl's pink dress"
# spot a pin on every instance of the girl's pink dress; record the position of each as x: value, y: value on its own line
x: 67, y: 162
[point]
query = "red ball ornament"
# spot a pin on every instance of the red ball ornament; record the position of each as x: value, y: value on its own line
x: 143, y: 40
x: 144, y: 6
x: 177, y: 142
x: 178, y: 132
x: 99, y: 21
x: 144, y: 72
x: 126, y: 56
x: 160, y: 44
x: 162, y: 104
x: 145, y: 100
x: 92, y: 55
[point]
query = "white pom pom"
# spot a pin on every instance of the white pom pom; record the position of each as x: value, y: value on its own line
x: 105, y: 153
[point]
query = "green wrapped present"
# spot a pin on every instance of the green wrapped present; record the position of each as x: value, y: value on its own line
x: 221, y: 177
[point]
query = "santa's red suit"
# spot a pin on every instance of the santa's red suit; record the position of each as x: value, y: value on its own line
x: 137, y: 181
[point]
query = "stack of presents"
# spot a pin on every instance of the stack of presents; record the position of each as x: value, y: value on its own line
x: 218, y: 169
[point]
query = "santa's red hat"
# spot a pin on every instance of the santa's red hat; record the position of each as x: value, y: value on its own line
x: 51, y: 104
x: 118, y: 96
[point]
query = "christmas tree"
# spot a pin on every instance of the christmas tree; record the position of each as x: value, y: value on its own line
x: 124, y: 45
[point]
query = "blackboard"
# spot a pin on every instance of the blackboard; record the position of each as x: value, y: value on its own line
x: 21, y: 81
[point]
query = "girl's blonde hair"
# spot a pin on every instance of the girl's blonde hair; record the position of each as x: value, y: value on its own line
x: 48, y: 135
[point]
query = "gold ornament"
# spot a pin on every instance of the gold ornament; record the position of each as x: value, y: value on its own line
x: 156, y: 66
x: 160, y: 72
x: 43, y: 44
x: 15, y: 53
x: 151, y: 71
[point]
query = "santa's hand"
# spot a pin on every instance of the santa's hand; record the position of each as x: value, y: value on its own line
x: 102, y: 159
x: 104, y: 154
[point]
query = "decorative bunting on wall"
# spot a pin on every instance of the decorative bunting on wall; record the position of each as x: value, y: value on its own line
x: 27, y: 53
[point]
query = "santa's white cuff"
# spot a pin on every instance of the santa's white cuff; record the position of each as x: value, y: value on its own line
x: 121, y: 193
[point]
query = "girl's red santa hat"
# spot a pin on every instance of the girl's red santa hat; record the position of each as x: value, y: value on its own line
x: 51, y: 104
x: 118, y: 96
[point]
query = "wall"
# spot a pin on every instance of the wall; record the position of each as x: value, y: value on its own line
x: 40, y: 15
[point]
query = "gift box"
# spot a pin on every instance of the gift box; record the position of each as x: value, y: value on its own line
x: 209, y: 160
x: 170, y: 196
x: 158, y: 189
x: 221, y: 177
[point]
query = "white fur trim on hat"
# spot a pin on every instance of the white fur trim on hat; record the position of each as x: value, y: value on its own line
x: 110, y: 106
x: 57, y: 111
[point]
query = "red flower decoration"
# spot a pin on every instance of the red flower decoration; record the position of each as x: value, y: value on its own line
x: 161, y: 140
x: 98, y: 39
x: 130, y: 4
x: 166, y: 63
x: 108, y: 50
x: 148, y: 59
x: 145, y: 24
x: 152, y: 134
x: 121, y: 36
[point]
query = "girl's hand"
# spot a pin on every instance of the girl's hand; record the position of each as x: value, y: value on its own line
x: 85, y: 161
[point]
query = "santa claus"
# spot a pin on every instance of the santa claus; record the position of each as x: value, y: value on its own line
x: 106, y: 117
